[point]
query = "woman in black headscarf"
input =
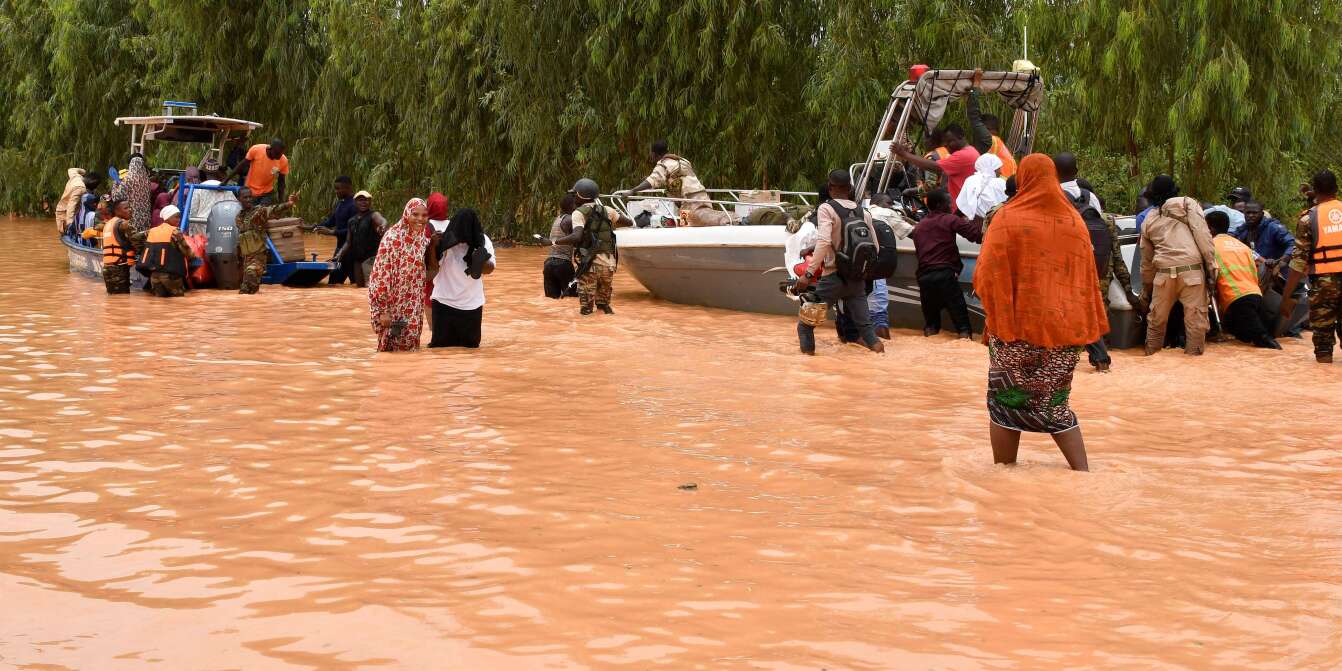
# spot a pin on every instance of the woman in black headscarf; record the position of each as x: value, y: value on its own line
x: 464, y: 254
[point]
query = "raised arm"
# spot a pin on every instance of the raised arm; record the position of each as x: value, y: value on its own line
x: 983, y: 138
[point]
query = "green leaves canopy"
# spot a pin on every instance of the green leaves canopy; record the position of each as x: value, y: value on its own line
x: 503, y: 104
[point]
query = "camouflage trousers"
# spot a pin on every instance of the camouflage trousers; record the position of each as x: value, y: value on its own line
x: 117, y: 279
x: 167, y: 286
x: 1325, y: 311
x: 253, y: 267
x: 594, y: 287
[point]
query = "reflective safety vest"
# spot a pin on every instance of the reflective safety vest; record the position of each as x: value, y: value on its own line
x: 1008, y: 161
x: 160, y: 254
x: 1238, y: 275
x: 1325, y: 227
x: 116, y: 248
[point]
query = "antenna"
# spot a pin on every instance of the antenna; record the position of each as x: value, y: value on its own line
x: 1025, y: 48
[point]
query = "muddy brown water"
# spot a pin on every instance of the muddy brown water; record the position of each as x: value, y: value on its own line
x: 240, y: 482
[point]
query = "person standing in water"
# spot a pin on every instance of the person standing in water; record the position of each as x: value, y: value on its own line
x: 1178, y: 261
x: 831, y: 287
x: 337, y: 223
x: 1318, y: 253
x: 364, y: 236
x: 594, y: 237
x: 1041, y: 309
x: 396, y: 285
x: 118, y: 250
x: 166, y: 255
x: 677, y: 176
x: 558, y: 270
x: 465, y: 254
x: 251, y: 223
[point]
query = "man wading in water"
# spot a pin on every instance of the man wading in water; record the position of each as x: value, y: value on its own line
x: 594, y: 235
x: 252, y: 235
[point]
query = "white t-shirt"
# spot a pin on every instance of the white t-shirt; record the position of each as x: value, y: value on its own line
x: 1074, y: 190
x: 452, y: 286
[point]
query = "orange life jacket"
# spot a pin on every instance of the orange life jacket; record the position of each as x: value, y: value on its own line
x: 941, y: 152
x: 1008, y: 161
x: 160, y: 254
x: 116, y: 249
x: 1238, y: 275
x: 1325, y: 226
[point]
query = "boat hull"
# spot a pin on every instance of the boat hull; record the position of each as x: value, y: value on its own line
x: 88, y: 261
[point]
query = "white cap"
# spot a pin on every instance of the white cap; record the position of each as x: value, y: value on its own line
x: 168, y: 212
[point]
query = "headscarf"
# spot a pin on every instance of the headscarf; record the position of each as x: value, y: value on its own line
x: 191, y: 175
x: 983, y: 190
x: 135, y: 189
x: 1036, y: 271
x: 410, y: 206
x: 160, y: 201
x: 437, y: 204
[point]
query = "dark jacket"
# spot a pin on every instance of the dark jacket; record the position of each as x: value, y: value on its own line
x: 934, y: 241
x: 341, y: 213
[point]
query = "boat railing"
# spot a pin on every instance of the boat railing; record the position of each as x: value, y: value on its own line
x: 186, y: 196
x: 725, y: 200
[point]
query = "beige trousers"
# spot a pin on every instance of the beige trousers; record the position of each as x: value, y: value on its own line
x: 1189, y: 288
x: 709, y: 216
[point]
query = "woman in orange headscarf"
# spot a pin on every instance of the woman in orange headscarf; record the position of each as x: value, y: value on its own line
x: 1036, y: 277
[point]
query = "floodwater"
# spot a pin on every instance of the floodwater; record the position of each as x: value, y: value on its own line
x: 235, y: 482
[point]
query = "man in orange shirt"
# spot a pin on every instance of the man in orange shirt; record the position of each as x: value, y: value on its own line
x: 266, y: 167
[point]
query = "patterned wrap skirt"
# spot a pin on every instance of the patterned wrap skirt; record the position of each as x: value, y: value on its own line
x: 1030, y: 387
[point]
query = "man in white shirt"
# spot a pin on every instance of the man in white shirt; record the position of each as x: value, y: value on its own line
x: 465, y: 255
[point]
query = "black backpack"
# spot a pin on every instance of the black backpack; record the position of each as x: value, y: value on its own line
x: 1101, y: 240
x: 859, y: 252
x: 887, y: 252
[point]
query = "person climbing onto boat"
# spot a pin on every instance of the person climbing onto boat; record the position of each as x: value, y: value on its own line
x: 396, y: 285
x: 69, y: 200
x: 957, y: 163
x: 677, y: 176
x: 118, y: 248
x: 1318, y: 254
x: 365, y: 234
x: 999, y: 147
x: 1178, y: 264
x: 833, y: 288
x: 940, y: 264
x: 558, y: 273
x: 166, y: 256
x: 1041, y: 309
x: 266, y: 167
x: 594, y: 238
x: 251, y: 223
x: 1237, y: 292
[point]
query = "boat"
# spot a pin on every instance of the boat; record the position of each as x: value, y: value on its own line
x: 741, y: 267
x: 179, y: 122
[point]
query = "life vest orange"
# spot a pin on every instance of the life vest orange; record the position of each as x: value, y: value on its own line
x: 941, y: 152
x: 1008, y: 161
x: 116, y: 249
x: 1325, y: 226
x: 1238, y: 275
x: 160, y: 254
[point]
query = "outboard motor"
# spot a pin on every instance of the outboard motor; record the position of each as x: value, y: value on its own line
x: 222, y: 248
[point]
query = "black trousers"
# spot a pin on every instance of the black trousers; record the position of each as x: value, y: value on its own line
x: 558, y: 273
x: 455, y: 328
x: 1248, y: 320
x: 340, y: 273
x: 939, y: 290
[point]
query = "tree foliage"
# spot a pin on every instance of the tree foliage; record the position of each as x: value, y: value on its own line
x: 503, y: 104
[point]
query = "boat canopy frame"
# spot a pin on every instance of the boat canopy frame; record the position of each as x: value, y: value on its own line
x: 181, y: 122
x: 924, y: 103
x: 724, y: 200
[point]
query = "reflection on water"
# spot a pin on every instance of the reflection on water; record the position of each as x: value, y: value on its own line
x: 226, y: 481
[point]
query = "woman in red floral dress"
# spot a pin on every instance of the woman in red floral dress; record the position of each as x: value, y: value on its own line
x: 396, y: 285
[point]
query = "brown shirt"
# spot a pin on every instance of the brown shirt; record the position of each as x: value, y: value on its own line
x: 1176, y: 235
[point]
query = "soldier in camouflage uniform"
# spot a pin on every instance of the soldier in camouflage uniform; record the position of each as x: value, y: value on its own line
x: 1318, y: 253
x: 594, y: 238
x: 253, y: 253
x: 676, y: 175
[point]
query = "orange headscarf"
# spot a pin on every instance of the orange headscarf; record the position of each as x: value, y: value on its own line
x: 1036, y: 272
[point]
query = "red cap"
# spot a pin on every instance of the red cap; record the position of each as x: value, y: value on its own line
x: 916, y: 72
